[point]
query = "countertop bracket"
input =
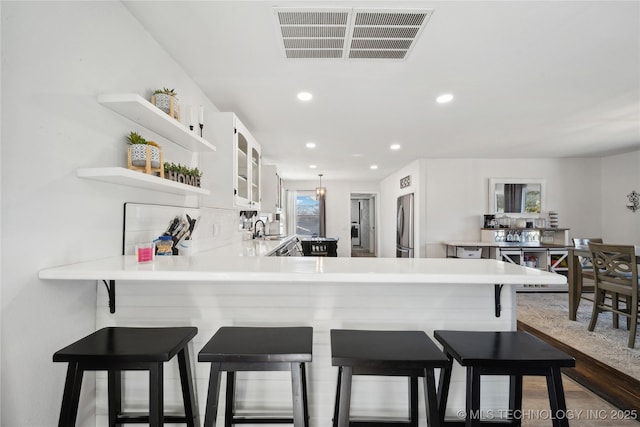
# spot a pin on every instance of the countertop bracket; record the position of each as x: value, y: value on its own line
x: 497, y: 293
x: 111, y: 291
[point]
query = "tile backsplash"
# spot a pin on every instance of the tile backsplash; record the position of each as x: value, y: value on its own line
x: 145, y: 222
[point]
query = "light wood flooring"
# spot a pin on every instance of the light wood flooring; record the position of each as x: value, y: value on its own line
x: 586, y: 408
x: 357, y: 251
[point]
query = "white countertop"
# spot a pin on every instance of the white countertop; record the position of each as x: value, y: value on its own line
x: 251, y: 247
x: 474, y: 243
x: 468, y: 243
x: 204, y: 267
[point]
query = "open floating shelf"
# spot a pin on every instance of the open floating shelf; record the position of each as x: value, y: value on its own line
x: 123, y: 176
x: 136, y: 108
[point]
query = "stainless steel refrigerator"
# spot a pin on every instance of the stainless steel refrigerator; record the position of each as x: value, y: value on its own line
x: 404, y: 230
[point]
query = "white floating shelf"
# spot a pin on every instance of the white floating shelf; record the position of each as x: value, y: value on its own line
x: 123, y: 176
x: 136, y: 108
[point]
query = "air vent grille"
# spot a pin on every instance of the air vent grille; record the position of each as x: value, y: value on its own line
x: 313, y: 18
x: 387, y: 18
x: 346, y: 33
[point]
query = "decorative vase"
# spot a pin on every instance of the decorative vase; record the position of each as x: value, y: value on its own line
x: 139, y: 155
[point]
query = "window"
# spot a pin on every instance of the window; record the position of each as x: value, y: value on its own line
x: 307, y: 214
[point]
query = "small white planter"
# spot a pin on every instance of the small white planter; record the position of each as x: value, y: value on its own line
x: 139, y: 155
x: 167, y: 103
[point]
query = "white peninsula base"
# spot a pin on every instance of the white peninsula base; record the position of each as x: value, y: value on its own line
x: 325, y: 293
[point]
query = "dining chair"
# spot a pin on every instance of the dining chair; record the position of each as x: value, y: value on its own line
x: 585, y: 262
x: 616, y: 273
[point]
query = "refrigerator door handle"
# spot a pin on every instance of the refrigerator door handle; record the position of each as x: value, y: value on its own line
x: 400, y: 223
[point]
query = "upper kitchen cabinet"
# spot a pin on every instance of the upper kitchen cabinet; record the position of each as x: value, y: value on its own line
x: 233, y: 172
x: 272, y: 189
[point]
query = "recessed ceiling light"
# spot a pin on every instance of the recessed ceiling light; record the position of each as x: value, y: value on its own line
x: 312, y: 166
x: 311, y: 145
x: 356, y: 155
x: 394, y: 146
x: 373, y: 167
x: 305, y: 96
x: 443, y: 99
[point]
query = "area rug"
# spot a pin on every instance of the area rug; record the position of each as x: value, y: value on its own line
x: 549, y: 313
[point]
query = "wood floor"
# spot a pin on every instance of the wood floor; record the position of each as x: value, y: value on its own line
x: 585, y: 407
x: 595, y: 392
x: 357, y: 251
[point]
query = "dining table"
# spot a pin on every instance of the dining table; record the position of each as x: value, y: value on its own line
x: 574, y: 281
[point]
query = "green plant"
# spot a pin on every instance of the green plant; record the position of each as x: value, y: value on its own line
x: 181, y: 169
x: 136, y: 138
x: 166, y: 91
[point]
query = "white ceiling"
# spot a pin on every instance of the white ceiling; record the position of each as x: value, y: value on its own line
x: 531, y: 79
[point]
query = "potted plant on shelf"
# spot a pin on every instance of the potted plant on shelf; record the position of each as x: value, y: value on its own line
x: 167, y: 100
x: 182, y: 174
x: 144, y: 155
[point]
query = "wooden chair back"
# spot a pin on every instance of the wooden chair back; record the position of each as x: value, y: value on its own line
x: 615, y: 268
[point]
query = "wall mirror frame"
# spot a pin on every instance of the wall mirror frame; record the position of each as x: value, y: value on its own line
x: 524, y: 196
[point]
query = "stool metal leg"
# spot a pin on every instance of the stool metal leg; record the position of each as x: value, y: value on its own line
x: 473, y: 397
x: 156, y: 395
x: 71, y: 395
x: 443, y: 387
x: 515, y: 398
x: 413, y: 401
x: 229, y: 412
x: 556, y: 398
x: 431, y: 399
x: 337, y: 402
x: 345, y: 396
x: 114, y: 390
x: 211, y: 411
x: 297, y: 386
x: 305, y: 397
x: 188, y: 393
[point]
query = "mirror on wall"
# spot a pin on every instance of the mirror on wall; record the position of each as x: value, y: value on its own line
x: 516, y: 195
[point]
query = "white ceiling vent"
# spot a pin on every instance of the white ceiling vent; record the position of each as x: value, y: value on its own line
x: 346, y: 33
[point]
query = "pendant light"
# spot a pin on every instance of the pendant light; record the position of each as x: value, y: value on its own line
x: 320, y: 190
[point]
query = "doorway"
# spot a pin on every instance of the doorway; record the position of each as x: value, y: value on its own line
x: 363, y: 229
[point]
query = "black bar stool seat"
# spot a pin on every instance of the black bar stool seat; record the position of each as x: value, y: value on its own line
x: 233, y: 349
x: 117, y: 349
x: 513, y: 353
x: 409, y: 354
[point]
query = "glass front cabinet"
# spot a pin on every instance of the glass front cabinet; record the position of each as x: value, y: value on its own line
x: 247, y: 168
x: 234, y: 170
x: 271, y: 189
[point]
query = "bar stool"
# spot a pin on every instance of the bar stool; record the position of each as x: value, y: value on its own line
x: 510, y: 353
x: 117, y: 349
x: 234, y: 349
x: 386, y: 353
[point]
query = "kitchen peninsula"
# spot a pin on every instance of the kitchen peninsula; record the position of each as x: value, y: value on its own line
x: 365, y: 293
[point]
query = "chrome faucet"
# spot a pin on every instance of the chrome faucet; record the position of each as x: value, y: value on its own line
x: 258, y: 233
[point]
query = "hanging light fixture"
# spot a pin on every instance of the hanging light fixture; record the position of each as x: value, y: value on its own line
x: 320, y: 190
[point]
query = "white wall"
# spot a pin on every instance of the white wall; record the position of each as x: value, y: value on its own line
x: 458, y: 195
x: 338, y: 206
x: 56, y: 57
x: 389, y: 192
x: 452, y: 196
x: 620, y: 175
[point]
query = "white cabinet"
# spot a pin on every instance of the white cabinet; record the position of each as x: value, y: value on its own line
x: 272, y: 190
x: 233, y: 172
